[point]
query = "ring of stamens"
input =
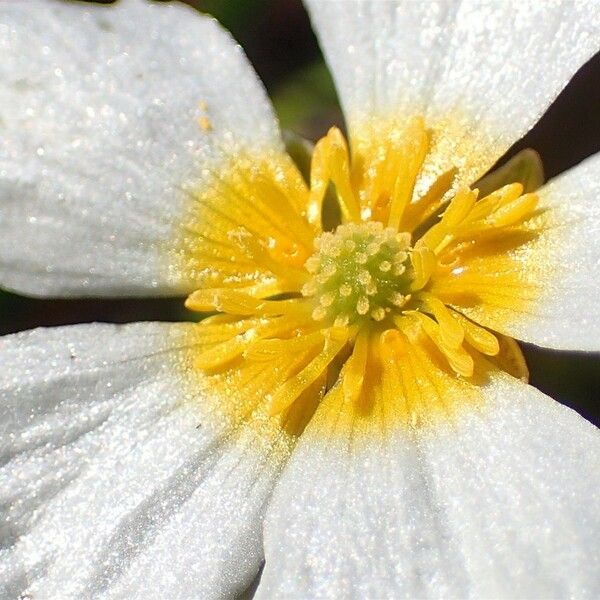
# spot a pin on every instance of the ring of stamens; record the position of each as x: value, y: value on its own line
x: 359, y: 272
x: 377, y: 321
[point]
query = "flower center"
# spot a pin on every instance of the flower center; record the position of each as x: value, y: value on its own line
x: 389, y: 314
x: 359, y: 273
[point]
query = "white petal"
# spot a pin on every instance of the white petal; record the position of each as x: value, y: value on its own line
x: 568, y: 310
x: 504, y: 503
x: 100, y: 134
x: 492, y: 68
x: 120, y: 477
x: 563, y: 265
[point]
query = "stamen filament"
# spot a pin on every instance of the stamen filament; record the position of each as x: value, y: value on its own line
x: 458, y: 359
x: 293, y: 387
x: 239, y: 303
x: 213, y: 358
x: 450, y: 330
x: 354, y: 372
x: 413, y: 155
x: 269, y: 349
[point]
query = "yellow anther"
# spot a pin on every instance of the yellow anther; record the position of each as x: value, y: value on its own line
x: 515, y: 211
x: 423, y: 262
x: 294, y: 386
x: 478, y: 337
x: 450, y: 328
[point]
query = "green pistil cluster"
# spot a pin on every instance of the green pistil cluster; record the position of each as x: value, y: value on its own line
x: 359, y: 273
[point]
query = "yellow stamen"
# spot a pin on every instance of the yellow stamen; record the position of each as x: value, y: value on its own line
x: 478, y: 337
x: 515, y: 211
x: 293, y: 387
x: 331, y: 163
x: 486, y: 206
x: 450, y: 329
x: 458, y: 359
x: 355, y: 367
x: 413, y: 154
x: 269, y: 349
x: 440, y: 235
x: 238, y: 303
x: 423, y: 262
x: 418, y: 213
x: 214, y: 357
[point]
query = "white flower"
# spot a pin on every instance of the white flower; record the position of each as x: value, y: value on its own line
x: 367, y: 436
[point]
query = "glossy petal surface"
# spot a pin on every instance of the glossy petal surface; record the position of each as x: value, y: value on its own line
x: 107, y: 114
x: 120, y: 475
x: 480, y: 72
x: 503, y: 502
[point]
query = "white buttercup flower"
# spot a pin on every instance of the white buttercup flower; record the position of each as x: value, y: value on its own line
x: 355, y: 414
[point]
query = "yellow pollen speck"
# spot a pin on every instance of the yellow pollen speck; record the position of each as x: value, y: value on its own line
x: 205, y: 123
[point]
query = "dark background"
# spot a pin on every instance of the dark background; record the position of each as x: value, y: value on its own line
x: 277, y: 38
